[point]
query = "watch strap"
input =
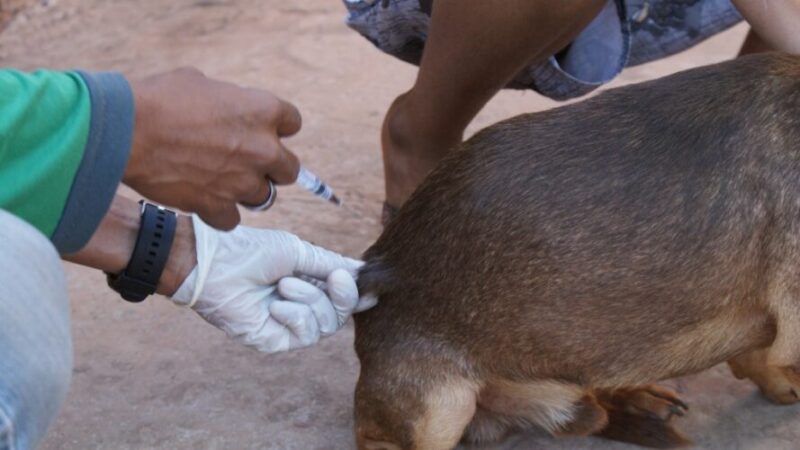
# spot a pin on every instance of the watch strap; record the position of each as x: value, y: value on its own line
x: 153, y: 244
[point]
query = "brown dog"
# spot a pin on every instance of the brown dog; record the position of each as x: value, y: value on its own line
x: 559, y: 262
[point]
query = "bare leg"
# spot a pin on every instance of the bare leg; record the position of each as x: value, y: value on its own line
x: 754, y: 44
x: 471, y: 53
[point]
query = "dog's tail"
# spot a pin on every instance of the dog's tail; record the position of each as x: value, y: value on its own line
x: 374, y: 277
x: 377, y: 276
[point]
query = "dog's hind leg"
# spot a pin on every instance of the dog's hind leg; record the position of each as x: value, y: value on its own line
x: 488, y: 427
x: 395, y: 410
x: 562, y: 409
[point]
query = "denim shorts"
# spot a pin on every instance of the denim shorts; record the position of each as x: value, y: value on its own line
x: 625, y: 33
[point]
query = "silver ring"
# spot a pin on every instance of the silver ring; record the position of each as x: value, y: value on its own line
x: 268, y: 202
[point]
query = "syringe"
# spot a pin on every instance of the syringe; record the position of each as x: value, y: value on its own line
x: 312, y: 183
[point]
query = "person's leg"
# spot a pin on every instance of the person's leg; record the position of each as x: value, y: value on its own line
x: 35, y: 342
x: 472, y: 51
x: 754, y: 44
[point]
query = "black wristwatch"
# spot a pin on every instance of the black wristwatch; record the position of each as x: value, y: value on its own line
x: 153, y: 243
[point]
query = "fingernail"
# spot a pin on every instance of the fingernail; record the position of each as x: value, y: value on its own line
x: 325, y: 325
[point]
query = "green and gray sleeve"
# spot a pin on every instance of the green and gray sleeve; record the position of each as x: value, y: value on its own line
x: 64, y: 143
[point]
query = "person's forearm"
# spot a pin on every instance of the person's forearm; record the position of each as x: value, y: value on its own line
x: 111, y: 246
x: 776, y: 21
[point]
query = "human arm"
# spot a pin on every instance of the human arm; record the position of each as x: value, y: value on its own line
x: 68, y: 138
x: 240, y: 281
x: 111, y: 246
x: 188, y: 141
x: 64, y: 140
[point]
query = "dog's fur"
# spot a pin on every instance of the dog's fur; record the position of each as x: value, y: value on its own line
x: 560, y: 261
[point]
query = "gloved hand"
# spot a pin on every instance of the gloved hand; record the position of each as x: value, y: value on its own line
x: 245, y: 284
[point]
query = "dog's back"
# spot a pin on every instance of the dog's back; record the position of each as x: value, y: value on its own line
x: 635, y: 236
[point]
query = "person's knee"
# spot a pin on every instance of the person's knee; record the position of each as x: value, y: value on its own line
x: 35, y: 342
x: 20, y: 240
x: 31, y: 397
x: 410, y: 127
x: 32, y: 391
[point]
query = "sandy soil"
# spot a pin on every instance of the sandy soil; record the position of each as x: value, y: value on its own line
x: 155, y: 376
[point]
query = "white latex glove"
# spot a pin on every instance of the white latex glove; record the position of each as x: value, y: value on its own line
x: 244, y: 284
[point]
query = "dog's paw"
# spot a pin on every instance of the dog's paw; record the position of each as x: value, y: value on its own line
x: 649, y: 401
x: 642, y: 415
x: 780, y: 385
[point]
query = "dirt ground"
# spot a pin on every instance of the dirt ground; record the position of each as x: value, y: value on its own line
x: 155, y: 376
x: 9, y: 8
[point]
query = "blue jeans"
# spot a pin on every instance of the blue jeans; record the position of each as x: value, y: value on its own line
x: 625, y: 33
x: 35, y: 341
